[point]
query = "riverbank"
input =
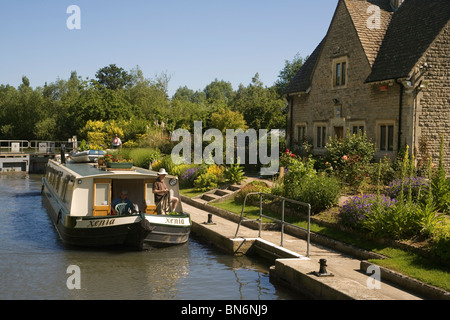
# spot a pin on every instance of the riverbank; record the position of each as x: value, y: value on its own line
x: 292, y: 268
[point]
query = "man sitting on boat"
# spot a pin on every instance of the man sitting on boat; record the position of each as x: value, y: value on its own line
x: 161, y: 193
x: 122, y: 205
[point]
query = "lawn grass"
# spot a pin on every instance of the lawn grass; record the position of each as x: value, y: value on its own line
x: 190, y: 192
x: 407, y: 263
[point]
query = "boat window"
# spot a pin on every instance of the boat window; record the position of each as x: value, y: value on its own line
x: 101, y: 194
x: 69, y: 189
x: 102, y: 197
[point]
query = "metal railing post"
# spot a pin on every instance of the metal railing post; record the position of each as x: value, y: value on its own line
x: 260, y: 215
x: 282, y: 225
x: 308, y: 233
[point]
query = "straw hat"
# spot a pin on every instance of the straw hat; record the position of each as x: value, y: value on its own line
x: 162, y: 171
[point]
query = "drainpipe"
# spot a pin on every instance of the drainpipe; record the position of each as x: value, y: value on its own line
x: 291, y: 120
x: 400, y: 111
x: 404, y: 84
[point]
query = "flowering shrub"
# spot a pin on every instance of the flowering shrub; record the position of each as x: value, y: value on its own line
x: 206, y: 181
x: 216, y: 170
x: 115, y: 158
x: 350, y: 158
x: 286, y: 158
x: 415, y: 185
x: 356, y: 209
x: 188, y: 177
x: 255, y: 186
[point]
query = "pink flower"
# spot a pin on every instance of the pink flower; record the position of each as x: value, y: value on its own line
x: 293, y: 155
x: 344, y: 158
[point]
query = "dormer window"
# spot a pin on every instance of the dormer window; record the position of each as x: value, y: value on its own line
x: 340, y: 72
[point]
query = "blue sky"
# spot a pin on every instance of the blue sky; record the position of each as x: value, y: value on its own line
x: 193, y: 41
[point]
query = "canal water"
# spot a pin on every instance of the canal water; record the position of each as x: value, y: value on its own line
x: 34, y: 264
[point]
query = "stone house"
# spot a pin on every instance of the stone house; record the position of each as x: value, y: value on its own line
x: 382, y: 68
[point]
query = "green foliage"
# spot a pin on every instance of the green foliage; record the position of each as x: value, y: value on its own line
x: 227, y: 119
x: 350, y: 158
x: 206, y: 181
x: 441, y: 240
x: 61, y: 109
x: 254, y: 186
x: 219, y: 92
x: 113, y: 77
x: 166, y: 163
x: 440, y: 184
x: 261, y: 106
x: 321, y: 192
x: 303, y: 183
x: 156, y: 138
x: 143, y: 157
x: 234, y: 173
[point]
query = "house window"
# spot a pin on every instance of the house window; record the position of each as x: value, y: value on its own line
x: 321, y: 134
x: 301, y: 133
x: 340, y: 73
x: 358, y: 129
x: 386, y: 138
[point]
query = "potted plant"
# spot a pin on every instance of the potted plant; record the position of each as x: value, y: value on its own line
x: 117, y: 161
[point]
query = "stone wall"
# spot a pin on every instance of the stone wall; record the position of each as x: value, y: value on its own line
x: 433, y: 107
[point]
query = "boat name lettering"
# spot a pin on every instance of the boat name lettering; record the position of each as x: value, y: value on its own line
x: 175, y: 220
x: 101, y: 223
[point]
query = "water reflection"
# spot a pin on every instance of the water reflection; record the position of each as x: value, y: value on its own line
x: 34, y: 262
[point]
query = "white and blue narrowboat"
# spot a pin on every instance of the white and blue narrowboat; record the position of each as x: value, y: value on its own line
x: 78, y: 199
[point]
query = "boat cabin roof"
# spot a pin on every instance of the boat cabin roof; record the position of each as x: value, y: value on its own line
x: 85, y: 170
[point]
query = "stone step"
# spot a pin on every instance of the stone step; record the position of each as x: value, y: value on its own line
x: 234, y: 187
x: 209, y: 197
x: 222, y: 193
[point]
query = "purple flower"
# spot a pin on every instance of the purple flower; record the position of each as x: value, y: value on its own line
x: 415, y: 185
x: 356, y: 209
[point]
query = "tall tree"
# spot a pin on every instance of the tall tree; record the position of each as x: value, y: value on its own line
x: 219, y: 92
x: 113, y: 77
x: 261, y: 106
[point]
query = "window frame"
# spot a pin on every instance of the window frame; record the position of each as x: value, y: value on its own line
x: 300, y: 128
x: 320, y: 137
x: 341, y: 80
x: 358, y: 126
x: 386, y: 136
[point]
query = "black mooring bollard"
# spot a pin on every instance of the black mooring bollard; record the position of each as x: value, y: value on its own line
x: 323, y: 266
x: 209, y: 219
x: 323, y: 270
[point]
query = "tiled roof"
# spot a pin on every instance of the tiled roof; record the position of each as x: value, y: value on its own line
x: 370, y: 31
x: 414, y: 26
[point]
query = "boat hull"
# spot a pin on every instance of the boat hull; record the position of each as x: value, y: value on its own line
x: 168, y: 230
x: 127, y: 231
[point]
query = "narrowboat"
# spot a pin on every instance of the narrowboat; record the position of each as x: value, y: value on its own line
x: 79, y: 198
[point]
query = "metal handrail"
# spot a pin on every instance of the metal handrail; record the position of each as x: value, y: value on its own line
x: 308, y: 230
x: 49, y: 146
